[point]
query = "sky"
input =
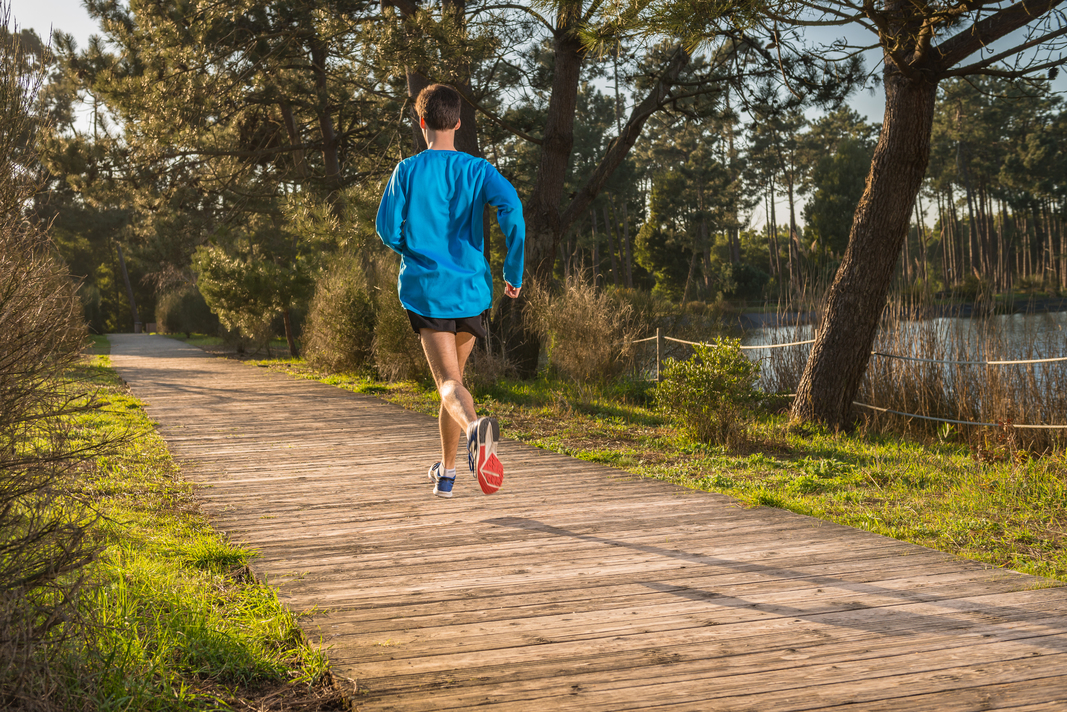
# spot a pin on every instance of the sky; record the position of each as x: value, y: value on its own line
x: 66, y: 15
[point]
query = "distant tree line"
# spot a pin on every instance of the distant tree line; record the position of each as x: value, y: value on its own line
x: 233, y: 150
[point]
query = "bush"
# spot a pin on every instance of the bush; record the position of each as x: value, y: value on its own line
x: 710, y: 394
x: 397, y: 351
x: 588, y: 332
x: 186, y: 311
x: 341, y: 320
x: 43, y: 540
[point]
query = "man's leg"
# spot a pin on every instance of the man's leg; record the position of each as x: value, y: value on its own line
x: 447, y: 355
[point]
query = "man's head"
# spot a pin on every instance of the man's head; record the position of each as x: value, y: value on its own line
x: 438, y: 106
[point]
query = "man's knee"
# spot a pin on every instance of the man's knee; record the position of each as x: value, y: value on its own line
x: 450, y: 387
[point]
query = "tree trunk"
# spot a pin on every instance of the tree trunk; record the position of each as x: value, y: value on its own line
x: 610, y: 232
x: 920, y: 221
x: 543, y: 224
x: 1020, y: 226
x: 289, y: 339
x: 776, y: 251
x: 905, y: 259
x: 707, y: 269
x: 596, y: 249
x: 299, y: 161
x: 627, y: 255
x: 794, y: 242
x: 689, y: 279
x: 974, y: 245
x: 416, y: 82
x: 857, y: 296
x: 330, y: 156
x: 946, y: 263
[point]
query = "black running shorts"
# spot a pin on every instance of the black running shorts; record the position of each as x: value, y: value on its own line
x: 469, y: 324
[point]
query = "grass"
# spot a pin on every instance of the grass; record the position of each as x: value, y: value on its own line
x: 98, y: 346
x: 176, y: 620
x: 992, y: 504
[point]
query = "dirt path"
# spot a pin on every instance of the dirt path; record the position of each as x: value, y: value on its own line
x: 578, y: 587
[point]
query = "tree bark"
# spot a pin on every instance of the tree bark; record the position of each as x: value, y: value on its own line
x: 289, y: 338
x: 330, y: 155
x: 776, y: 251
x: 857, y: 296
x: 974, y: 243
x: 596, y: 249
x: 689, y: 279
x: 542, y: 210
x: 299, y: 161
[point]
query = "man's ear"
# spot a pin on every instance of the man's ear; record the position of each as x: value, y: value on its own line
x: 456, y: 127
x: 422, y: 122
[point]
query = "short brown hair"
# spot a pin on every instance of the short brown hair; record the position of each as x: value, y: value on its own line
x: 439, y: 105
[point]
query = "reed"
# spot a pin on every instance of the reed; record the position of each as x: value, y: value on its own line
x: 948, y: 384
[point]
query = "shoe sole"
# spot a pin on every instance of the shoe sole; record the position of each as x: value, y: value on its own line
x: 488, y: 468
x: 437, y: 492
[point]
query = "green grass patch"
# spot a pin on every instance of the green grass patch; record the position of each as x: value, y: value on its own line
x: 1009, y: 512
x: 176, y: 620
x: 98, y: 345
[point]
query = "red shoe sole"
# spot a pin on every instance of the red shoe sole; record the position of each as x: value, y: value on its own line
x: 490, y: 474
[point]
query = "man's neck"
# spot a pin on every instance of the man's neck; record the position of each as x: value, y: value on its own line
x: 440, y: 140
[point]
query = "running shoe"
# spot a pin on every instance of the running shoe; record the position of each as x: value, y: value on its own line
x: 442, y: 486
x: 482, y: 437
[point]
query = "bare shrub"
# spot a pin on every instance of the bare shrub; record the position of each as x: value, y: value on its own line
x: 485, y: 368
x: 43, y: 543
x: 341, y: 320
x: 588, y: 332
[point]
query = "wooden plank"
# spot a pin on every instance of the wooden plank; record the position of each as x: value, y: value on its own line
x: 578, y: 586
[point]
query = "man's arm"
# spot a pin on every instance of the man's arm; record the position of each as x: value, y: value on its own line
x: 390, y: 220
x: 501, y: 195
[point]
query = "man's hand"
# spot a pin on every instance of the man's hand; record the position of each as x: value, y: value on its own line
x: 511, y: 291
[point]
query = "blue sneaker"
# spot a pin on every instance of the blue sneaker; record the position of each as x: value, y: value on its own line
x: 442, y: 486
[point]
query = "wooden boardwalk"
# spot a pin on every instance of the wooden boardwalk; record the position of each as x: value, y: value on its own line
x: 578, y: 587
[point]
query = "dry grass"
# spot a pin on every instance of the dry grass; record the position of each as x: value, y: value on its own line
x: 588, y: 332
x: 1001, y: 395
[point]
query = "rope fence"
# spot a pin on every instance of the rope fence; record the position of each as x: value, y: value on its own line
x: 971, y: 363
x: 960, y: 422
x: 1057, y: 359
x: 659, y: 338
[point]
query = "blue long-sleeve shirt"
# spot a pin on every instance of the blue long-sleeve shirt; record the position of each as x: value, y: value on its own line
x: 431, y: 214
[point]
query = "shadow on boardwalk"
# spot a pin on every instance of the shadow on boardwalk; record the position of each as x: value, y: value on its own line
x: 578, y: 587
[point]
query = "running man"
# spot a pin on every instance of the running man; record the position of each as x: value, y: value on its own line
x: 431, y: 214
